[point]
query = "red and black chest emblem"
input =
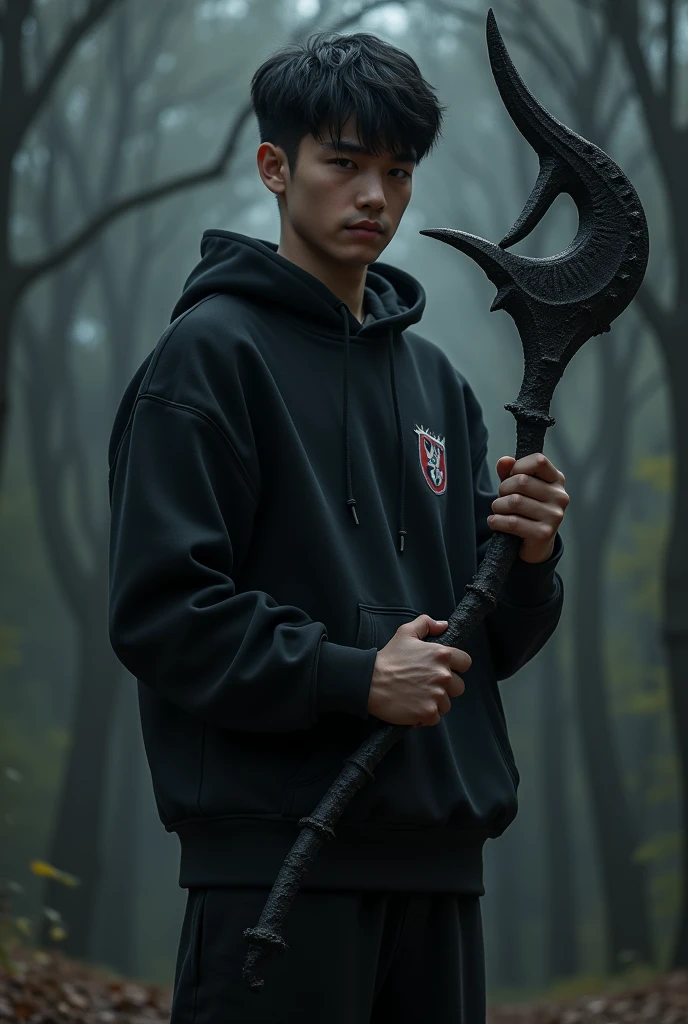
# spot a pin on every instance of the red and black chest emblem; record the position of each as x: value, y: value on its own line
x: 433, y: 459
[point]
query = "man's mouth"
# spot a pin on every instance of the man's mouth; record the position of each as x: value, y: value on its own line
x: 364, y: 232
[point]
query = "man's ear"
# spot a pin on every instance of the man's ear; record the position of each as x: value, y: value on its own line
x: 271, y: 161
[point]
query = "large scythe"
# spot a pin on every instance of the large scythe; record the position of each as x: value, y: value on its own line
x: 557, y: 304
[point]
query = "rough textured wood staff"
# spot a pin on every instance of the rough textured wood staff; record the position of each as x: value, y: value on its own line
x: 557, y: 304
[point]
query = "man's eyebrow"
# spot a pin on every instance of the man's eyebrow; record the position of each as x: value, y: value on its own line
x: 347, y: 146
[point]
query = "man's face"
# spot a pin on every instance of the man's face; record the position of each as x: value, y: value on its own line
x: 332, y: 190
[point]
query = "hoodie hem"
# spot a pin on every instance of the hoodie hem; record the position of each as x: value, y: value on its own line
x: 249, y: 851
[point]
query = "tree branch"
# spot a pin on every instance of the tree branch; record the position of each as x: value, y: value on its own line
x: 13, y: 79
x: 161, y: 27
x: 624, y: 25
x: 73, y: 36
x: 611, y: 121
x: 552, y: 40
x: 481, y: 174
x: 544, y: 57
x: 657, y: 318
x: 636, y: 161
x: 51, y: 376
x: 50, y: 467
x: 124, y: 90
x: 192, y: 93
x: 645, y: 391
x: 670, y: 70
x: 627, y: 362
x: 593, y: 76
x: 29, y: 272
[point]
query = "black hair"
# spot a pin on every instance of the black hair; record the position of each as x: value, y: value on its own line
x: 325, y: 80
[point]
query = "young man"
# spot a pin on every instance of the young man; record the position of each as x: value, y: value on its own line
x: 300, y: 492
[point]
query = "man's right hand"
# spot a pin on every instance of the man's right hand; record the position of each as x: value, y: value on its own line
x: 413, y: 679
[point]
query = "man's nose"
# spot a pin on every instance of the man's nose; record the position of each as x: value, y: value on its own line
x: 372, y: 194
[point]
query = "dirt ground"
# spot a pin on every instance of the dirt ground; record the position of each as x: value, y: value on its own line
x: 49, y: 988
x: 663, y: 1002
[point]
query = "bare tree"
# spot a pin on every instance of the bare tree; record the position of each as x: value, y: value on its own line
x: 624, y: 881
x: 21, y: 101
x: 20, y: 105
x: 76, y: 533
x: 562, y: 958
x: 641, y: 37
x: 581, y: 81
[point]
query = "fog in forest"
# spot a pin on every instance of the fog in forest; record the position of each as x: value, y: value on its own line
x: 126, y: 132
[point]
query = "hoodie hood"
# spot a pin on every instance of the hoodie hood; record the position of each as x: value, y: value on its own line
x: 236, y: 264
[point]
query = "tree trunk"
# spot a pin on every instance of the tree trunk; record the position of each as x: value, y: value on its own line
x: 675, y: 630
x: 624, y: 883
x: 561, y: 946
x: 5, y: 342
x: 76, y: 841
x: 116, y: 945
x: 506, y: 966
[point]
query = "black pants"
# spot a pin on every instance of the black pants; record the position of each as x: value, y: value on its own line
x: 353, y: 958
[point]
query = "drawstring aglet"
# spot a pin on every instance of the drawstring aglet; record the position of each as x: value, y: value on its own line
x: 402, y: 534
x: 351, y: 502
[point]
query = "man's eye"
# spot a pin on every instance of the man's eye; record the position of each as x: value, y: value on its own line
x: 344, y: 160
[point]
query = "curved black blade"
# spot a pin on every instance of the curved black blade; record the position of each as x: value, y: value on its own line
x: 560, y: 301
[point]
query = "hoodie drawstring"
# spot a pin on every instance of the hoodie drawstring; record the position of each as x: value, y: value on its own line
x: 350, y: 500
x: 400, y: 436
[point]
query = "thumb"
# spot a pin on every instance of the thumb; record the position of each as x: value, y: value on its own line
x: 425, y: 624
x: 504, y: 466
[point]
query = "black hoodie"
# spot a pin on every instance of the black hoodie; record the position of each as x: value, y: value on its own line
x: 282, y: 502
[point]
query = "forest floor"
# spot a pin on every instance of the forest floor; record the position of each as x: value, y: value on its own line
x: 663, y: 1001
x: 50, y: 988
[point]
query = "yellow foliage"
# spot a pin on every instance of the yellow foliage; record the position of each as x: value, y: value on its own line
x: 665, y: 774
x: 43, y: 870
x: 57, y: 932
x: 642, y: 562
x: 657, y: 470
x: 636, y: 688
x: 24, y: 925
x: 665, y: 765
x: 647, y: 703
x: 657, y: 848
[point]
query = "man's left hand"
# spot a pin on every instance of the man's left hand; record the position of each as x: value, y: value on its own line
x: 531, y: 504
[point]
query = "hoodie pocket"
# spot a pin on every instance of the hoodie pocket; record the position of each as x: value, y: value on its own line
x: 457, y: 773
x: 334, y: 739
x: 377, y: 624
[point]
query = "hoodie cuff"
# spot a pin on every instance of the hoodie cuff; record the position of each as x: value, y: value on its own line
x: 344, y: 676
x: 530, y: 585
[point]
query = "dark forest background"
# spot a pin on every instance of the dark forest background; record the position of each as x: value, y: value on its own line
x: 125, y: 131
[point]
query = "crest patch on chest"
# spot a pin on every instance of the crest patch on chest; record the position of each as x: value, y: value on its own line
x: 433, y: 459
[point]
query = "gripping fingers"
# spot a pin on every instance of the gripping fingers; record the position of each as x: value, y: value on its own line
x: 456, y: 686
